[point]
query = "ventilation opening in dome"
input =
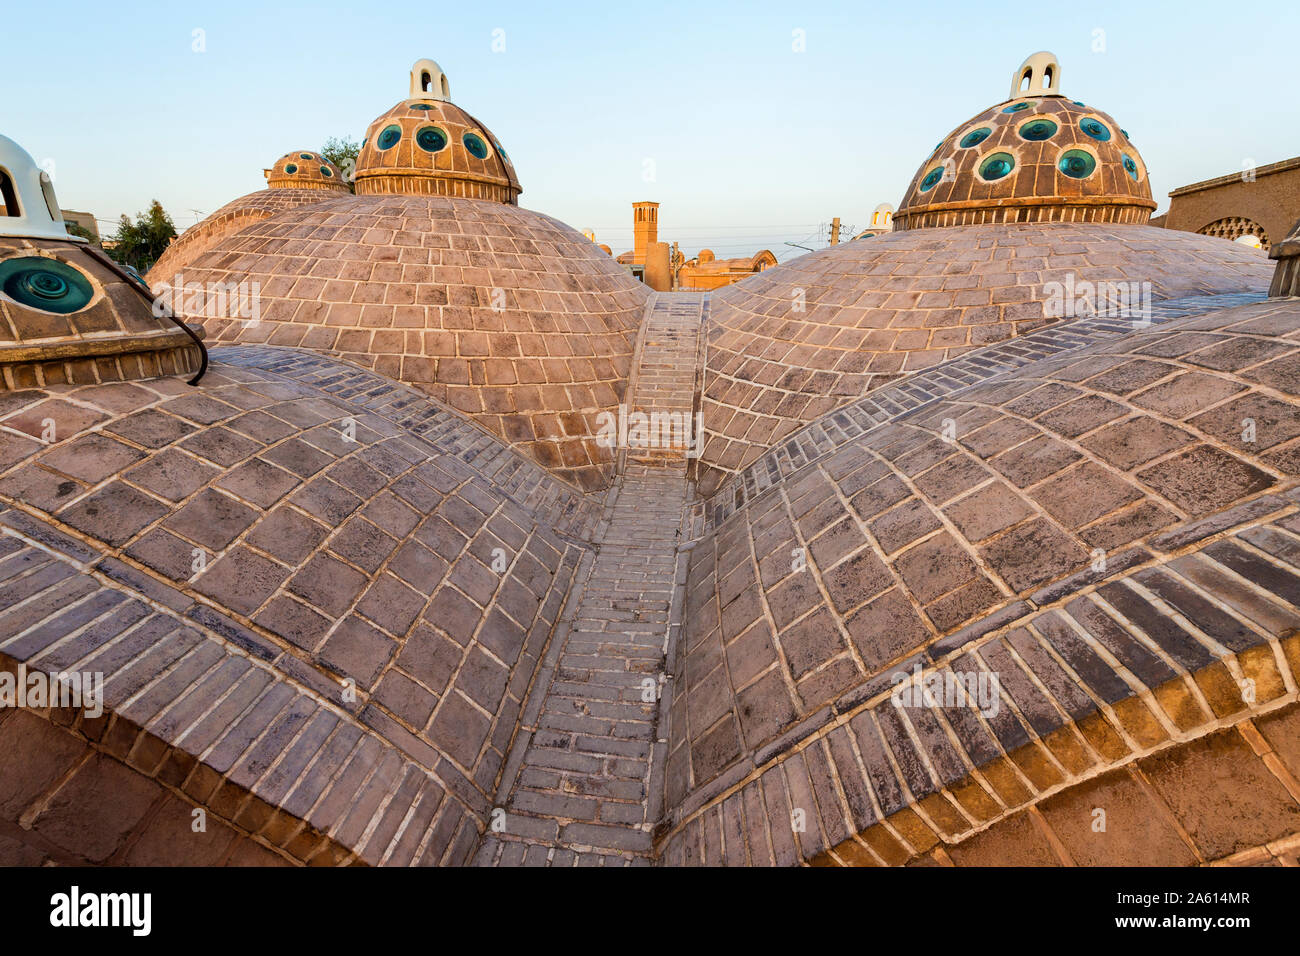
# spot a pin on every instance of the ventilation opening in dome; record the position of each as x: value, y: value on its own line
x: 427, y: 84
x: 8, y: 196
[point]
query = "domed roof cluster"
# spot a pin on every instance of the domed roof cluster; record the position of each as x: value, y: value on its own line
x: 432, y: 274
x: 1037, y: 157
x: 996, y: 522
x: 68, y: 313
x: 305, y: 170
x: 426, y: 145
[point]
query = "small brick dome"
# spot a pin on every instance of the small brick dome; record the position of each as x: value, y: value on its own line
x: 303, y: 169
x: 427, y: 145
x: 1037, y: 157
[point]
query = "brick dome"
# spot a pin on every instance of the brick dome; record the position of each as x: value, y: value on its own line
x: 303, y: 169
x: 1036, y: 157
x: 794, y: 342
x: 427, y: 145
x: 299, y: 559
x: 231, y: 217
x: 1076, y: 532
x: 504, y: 313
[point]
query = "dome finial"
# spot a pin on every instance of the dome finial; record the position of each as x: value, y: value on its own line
x: 428, y: 82
x: 1039, y: 75
x: 27, y: 197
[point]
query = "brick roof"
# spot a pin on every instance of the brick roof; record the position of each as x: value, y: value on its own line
x: 794, y: 342
x: 505, y: 314
x: 1094, y: 527
x: 308, y: 545
x: 230, y: 218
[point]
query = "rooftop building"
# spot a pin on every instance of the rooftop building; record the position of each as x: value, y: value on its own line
x: 430, y: 563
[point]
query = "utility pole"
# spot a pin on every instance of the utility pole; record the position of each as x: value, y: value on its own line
x: 835, y: 231
x: 676, y: 266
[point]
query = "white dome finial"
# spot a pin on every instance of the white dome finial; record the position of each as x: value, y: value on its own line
x: 27, y: 194
x: 1039, y: 75
x: 428, y: 82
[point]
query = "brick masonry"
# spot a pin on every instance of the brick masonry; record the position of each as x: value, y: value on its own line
x: 590, y: 779
x: 1095, y: 528
x: 793, y: 344
x: 504, y: 314
x: 649, y: 678
x: 326, y: 582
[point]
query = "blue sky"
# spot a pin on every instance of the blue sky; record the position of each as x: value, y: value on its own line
x: 751, y: 143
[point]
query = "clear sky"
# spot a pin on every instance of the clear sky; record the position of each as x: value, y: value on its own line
x: 751, y: 142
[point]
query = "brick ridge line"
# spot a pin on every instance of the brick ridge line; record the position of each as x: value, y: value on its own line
x: 613, y: 560
x: 245, y: 355
x: 1089, y: 329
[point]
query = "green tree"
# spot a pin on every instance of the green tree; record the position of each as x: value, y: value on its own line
x: 80, y: 231
x: 343, y: 154
x: 140, y: 243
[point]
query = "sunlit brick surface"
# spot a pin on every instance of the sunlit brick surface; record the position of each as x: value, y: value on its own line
x: 230, y: 218
x: 450, y: 169
x: 319, y: 599
x: 797, y: 341
x: 1113, y: 531
x: 503, y: 313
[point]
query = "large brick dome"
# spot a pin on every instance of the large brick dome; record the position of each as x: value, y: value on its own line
x: 946, y: 603
x: 501, y: 312
x: 800, y: 340
x: 231, y: 217
x: 433, y: 275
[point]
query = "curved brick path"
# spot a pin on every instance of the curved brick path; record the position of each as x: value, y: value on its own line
x: 584, y: 776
